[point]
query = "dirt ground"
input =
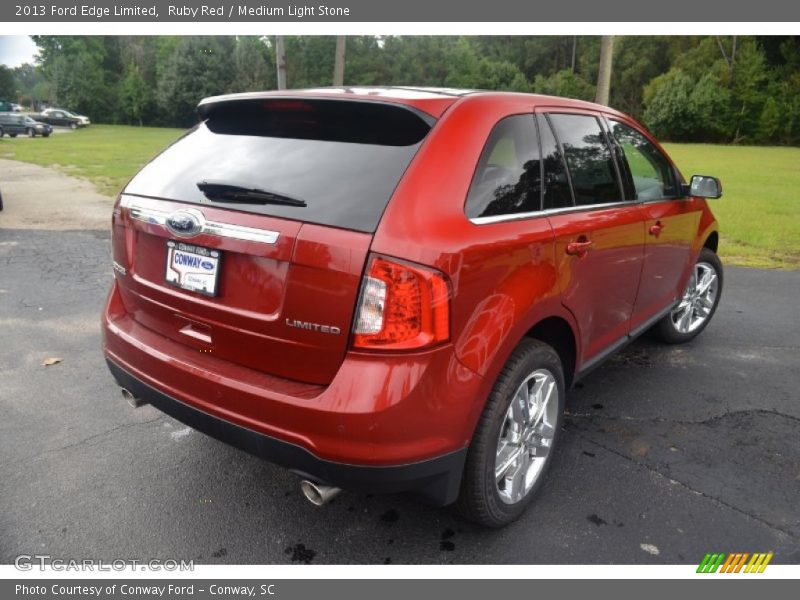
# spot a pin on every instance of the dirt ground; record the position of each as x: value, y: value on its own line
x: 39, y: 198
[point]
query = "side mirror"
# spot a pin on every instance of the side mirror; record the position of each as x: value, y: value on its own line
x: 705, y: 186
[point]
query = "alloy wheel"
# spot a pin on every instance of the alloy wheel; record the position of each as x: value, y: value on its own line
x: 526, y: 436
x: 698, y: 299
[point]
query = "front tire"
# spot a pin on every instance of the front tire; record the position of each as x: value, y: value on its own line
x: 73, y: 125
x: 514, y: 441
x: 698, y: 304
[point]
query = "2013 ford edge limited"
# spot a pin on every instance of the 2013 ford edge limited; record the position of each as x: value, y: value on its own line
x: 392, y: 289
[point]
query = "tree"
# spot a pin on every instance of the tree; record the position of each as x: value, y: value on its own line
x: 470, y: 70
x: 338, y: 65
x: 564, y: 83
x: 200, y: 66
x: 604, y: 70
x: 135, y: 96
x: 253, y: 69
x: 82, y: 72
x: 685, y: 87
x: 8, y: 84
x: 667, y: 98
x: 681, y: 108
x: 280, y: 61
x: 770, y: 121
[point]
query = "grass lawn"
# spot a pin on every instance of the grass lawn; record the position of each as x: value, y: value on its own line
x: 759, y: 212
x: 108, y: 155
x: 759, y: 215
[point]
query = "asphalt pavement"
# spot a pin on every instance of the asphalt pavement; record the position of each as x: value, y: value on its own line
x: 669, y: 452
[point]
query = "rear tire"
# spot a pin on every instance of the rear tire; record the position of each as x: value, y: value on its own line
x: 698, y: 304
x: 12, y: 135
x: 497, y: 487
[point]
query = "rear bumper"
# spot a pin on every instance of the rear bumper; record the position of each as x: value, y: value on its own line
x: 437, y: 480
x: 386, y: 423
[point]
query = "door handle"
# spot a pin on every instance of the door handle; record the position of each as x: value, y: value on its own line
x: 580, y: 247
x: 656, y: 228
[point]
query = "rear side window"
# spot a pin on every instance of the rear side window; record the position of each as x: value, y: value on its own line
x: 591, y: 166
x: 508, y: 178
x: 652, y: 174
x: 342, y: 159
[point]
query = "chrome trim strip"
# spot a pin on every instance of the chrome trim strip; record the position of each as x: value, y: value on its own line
x: 217, y: 228
x: 148, y: 215
x: 548, y: 212
x: 240, y: 232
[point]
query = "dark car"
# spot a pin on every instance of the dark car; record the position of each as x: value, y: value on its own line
x: 58, y: 118
x: 13, y: 124
x: 392, y: 289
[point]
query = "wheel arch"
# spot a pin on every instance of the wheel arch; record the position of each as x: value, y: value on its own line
x: 712, y: 241
x: 557, y: 332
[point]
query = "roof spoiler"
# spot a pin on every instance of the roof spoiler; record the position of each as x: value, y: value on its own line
x: 209, y: 106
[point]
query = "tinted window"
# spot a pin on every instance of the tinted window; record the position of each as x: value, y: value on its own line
x: 344, y: 159
x: 556, y: 183
x: 508, y: 177
x: 591, y: 167
x: 652, y: 174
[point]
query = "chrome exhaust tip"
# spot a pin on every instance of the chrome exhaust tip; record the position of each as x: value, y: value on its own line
x: 134, y: 401
x: 318, y: 495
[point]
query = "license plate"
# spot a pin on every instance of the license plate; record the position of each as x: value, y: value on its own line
x: 193, y: 268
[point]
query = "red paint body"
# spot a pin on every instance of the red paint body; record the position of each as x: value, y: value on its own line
x: 234, y: 357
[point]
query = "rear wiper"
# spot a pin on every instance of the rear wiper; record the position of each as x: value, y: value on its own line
x: 226, y: 192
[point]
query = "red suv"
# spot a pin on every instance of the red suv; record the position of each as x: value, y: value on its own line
x: 392, y: 289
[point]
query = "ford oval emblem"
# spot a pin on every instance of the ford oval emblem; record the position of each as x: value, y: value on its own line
x: 184, y: 223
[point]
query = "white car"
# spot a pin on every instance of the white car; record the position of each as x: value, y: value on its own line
x: 83, y: 120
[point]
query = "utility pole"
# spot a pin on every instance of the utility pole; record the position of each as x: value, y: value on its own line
x: 604, y: 72
x: 280, y: 58
x: 338, y: 65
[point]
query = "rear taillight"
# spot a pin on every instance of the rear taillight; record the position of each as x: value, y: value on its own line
x: 401, y: 307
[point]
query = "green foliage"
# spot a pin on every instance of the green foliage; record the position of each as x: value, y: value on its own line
x: 8, y: 84
x: 682, y: 108
x: 135, y: 97
x: 769, y: 123
x: 253, y: 65
x: 667, y: 99
x: 199, y: 67
x: 730, y: 89
x: 564, y: 83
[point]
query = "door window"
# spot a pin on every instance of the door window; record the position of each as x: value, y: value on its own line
x: 557, y: 193
x: 591, y: 166
x: 653, y: 175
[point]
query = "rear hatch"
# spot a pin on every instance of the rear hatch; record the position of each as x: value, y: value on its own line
x: 247, y: 238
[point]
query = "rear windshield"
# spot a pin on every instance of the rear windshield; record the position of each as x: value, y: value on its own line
x: 342, y: 159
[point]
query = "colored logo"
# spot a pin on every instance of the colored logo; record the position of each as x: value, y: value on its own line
x: 739, y: 562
